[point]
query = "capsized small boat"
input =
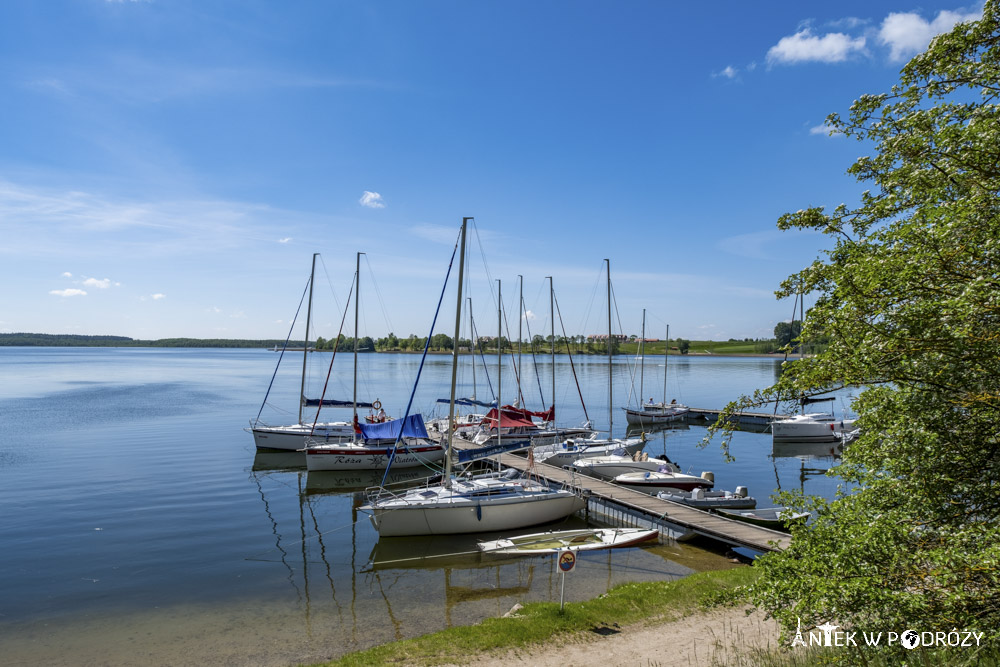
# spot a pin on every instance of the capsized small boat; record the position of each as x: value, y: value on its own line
x: 776, y: 518
x: 574, y: 540
x: 653, y: 481
x: 707, y: 500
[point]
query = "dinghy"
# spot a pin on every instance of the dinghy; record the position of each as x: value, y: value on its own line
x: 574, y: 540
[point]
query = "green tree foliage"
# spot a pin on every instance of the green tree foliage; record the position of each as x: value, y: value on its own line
x: 909, y: 302
x: 788, y: 333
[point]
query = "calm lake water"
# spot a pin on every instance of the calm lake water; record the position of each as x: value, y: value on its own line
x: 140, y: 526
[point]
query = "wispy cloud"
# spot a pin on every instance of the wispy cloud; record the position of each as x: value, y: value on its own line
x: 436, y: 233
x: 68, y: 292
x: 825, y: 130
x: 907, y: 34
x: 68, y: 222
x: 729, y: 72
x: 134, y: 80
x: 371, y: 200
x: 804, y: 46
x: 285, y: 240
x: 158, y: 296
x: 104, y: 283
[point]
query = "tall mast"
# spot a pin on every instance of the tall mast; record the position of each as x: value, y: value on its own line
x: 520, y: 320
x: 454, y: 357
x: 552, y: 316
x: 305, y: 343
x: 666, y: 351
x: 499, y: 356
x: 642, y: 355
x: 611, y: 410
x: 357, y: 292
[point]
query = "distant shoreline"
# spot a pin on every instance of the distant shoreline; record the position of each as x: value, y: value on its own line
x: 722, y: 349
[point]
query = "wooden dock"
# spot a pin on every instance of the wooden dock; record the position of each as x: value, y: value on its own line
x: 700, y: 522
x: 746, y: 418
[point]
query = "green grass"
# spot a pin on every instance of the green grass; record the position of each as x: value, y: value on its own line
x: 542, y: 623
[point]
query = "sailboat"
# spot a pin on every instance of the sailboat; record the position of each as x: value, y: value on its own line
x: 517, y: 422
x: 379, y: 442
x: 480, y: 503
x: 565, y: 453
x: 291, y: 437
x: 650, y: 413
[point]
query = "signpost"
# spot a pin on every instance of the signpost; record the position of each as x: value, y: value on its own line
x: 567, y: 563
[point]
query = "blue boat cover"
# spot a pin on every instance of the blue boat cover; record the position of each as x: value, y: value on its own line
x: 412, y: 426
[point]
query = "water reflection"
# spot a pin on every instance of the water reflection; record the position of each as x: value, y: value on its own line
x: 342, y: 481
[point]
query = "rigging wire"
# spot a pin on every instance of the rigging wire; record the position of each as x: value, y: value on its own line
x: 283, y: 348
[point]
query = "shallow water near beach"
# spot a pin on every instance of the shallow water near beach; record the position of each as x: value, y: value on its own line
x: 141, y: 526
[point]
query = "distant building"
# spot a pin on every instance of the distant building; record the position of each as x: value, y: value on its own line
x: 603, y: 337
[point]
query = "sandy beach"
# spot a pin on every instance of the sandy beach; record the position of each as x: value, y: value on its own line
x: 718, y: 637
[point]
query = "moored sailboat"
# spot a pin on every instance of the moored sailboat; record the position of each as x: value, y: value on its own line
x: 291, y: 437
x: 480, y: 503
x: 650, y: 413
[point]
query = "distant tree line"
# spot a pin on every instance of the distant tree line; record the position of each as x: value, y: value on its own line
x: 75, y: 340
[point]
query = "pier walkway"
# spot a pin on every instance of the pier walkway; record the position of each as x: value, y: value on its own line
x: 700, y: 522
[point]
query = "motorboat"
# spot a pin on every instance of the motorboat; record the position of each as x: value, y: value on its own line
x: 654, y: 481
x: 708, y: 500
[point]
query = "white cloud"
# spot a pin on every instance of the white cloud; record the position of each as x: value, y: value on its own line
x: 99, y: 284
x: 67, y: 274
x: 804, y: 46
x: 158, y: 296
x: 285, y: 240
x: 729, y: 72
x: 825, y: 130
x: 68, y: 292
x: 529, y: 316
x: 909, y: 33
x: 371, y: 200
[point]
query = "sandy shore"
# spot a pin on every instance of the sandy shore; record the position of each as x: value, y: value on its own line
x: 718, y: 637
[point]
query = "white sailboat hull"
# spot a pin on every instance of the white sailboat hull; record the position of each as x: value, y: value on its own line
x: 440, y: 511
x: 652, y: 415
x: 292, y: 437
x: 609, y: 467
x: 816, y: 427
x: 359, y: 456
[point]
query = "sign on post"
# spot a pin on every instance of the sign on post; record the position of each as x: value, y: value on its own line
x: 567, y: 562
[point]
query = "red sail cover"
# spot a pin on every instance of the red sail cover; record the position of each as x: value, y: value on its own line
x: 512, y: 417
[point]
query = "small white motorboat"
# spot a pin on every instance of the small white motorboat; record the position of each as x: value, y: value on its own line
x: 706, y: 500
x: 654, y: 481
x: 573, y: 540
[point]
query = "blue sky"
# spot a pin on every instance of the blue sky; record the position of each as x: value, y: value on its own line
x: 167, y: 168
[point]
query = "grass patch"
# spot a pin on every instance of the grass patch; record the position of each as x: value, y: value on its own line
x: 541, y: 622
